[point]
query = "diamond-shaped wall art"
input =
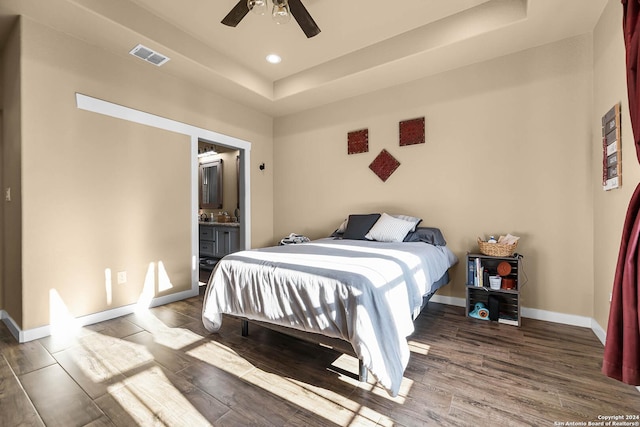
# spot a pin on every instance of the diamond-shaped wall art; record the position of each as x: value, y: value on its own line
x: 411, y: 132
x: 384, y: 165
x: 358, y: 141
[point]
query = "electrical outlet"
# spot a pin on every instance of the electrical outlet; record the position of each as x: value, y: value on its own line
x: 7, y: 194
x: 122, y: 277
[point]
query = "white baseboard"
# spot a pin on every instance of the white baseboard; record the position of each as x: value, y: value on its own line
x: 458, y: 302
x: 44, y: 331
x: 555, y: 317
x: 534, y: 313
x: 599, y: 331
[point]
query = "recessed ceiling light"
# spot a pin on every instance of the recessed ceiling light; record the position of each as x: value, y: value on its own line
x: 273, y: 58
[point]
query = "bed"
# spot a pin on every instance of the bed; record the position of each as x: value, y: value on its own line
x: 365, y: 292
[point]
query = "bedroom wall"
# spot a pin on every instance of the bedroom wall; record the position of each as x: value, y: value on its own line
x: 508, y: 150
x: 610, y: 207
x: 11, y: 170
x: 230, y: 182
x: 102, y: 193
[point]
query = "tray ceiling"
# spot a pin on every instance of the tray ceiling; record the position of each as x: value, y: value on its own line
x: 365, y: 45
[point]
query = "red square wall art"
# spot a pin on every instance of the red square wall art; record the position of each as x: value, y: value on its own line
x: 358, y: 141
x: 384, y: 165
x: 412, y: 132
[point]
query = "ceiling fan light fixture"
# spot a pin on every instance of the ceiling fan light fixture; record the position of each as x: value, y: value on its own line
x: 281, y: 13
x: 259, y: 7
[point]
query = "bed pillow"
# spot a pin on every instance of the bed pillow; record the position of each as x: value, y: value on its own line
x: 413, y: 219
x: 430, y: 235
x: 359, y: 225
x: 340, y: 230
x: 342, y: 226
x: 389, y: 229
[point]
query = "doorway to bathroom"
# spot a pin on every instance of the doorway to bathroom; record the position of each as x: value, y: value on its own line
x: 219, y: 213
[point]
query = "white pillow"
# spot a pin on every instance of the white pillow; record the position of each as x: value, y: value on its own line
x: 389, y: 229
x: 413, y: 219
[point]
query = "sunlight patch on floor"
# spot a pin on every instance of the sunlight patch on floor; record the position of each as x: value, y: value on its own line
x: 306, y: 396
x: 350, y: 364
x: 222, y: 357
x: 405, y: 387
x: 343, y: 412
x: 150, y: 398
x: 103, y: 356
x: 173, y: 338
x: 419, y: 347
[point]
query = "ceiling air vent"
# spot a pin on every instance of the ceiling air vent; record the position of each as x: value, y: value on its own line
x: 149, y: 55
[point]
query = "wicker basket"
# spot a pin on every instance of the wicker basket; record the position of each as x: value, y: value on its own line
x: 496, y: 249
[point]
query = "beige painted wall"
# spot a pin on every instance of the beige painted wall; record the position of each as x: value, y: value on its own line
x: 101, y: 193
x: 229, y: 189
x: 508, y: 149
x: 11, y: 170
x: 610, y: 207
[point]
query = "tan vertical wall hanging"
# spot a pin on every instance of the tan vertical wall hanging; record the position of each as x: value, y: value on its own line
x: 611, y: 149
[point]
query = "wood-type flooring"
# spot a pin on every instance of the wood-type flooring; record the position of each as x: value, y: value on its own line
x: 161, y: 367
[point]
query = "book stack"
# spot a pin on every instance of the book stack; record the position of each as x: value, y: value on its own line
x: 477, y: 274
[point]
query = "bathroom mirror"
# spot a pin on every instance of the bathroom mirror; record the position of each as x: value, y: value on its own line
x: 211, y: 184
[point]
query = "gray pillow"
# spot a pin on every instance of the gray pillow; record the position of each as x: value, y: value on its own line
x: 430, y: 235
x: 359, y: 225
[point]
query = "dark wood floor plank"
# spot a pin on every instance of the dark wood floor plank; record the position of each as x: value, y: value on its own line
x: 417, y: 404
x: 16, y: 408
x: 58, y: 399
x: 25, y: 357
x: 210, y: 408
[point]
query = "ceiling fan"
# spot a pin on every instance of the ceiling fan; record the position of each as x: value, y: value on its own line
x: 282, y: 11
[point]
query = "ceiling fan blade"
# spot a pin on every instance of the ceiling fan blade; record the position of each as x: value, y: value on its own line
x: 304, y: 19
x: 237, y: 13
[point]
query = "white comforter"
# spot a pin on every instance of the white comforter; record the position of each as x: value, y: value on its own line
x: 364, y: 292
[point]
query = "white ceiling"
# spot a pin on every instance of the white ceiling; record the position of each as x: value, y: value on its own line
x: 365, y: 45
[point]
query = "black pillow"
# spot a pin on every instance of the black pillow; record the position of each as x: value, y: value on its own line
x: 359, y: 225
x: 430, y: 235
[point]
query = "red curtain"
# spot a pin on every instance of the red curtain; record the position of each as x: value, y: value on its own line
x: 622, y: 348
